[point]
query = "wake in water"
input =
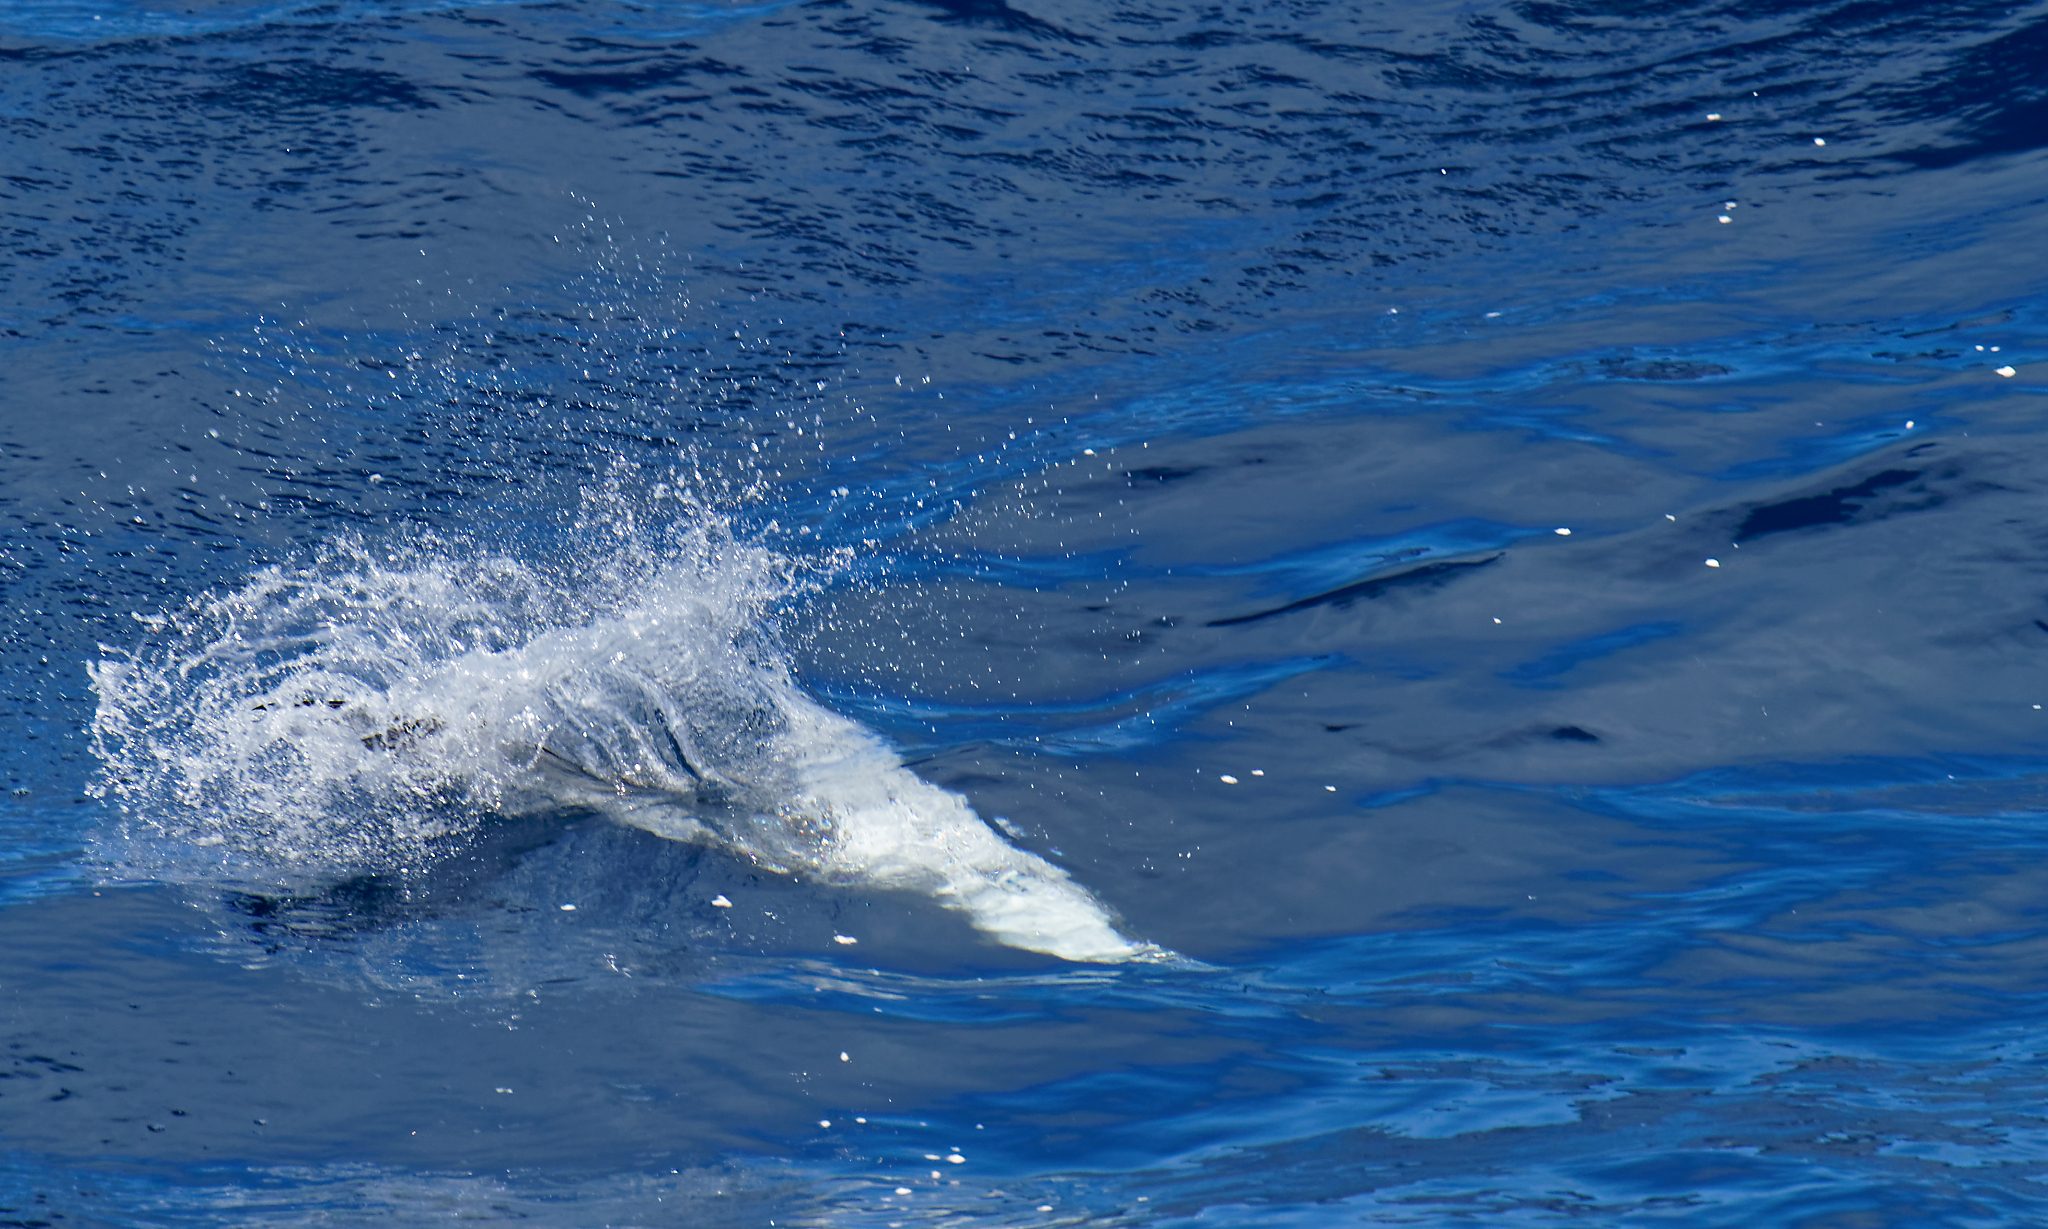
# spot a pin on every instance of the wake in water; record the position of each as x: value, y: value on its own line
x: 360, y: 710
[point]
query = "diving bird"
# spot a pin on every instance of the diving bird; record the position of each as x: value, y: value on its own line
x: 339, y: 716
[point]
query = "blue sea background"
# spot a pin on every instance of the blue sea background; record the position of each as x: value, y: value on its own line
x: 1512, y: 535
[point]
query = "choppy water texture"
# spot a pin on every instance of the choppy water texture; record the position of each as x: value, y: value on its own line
x: 1499, y: 549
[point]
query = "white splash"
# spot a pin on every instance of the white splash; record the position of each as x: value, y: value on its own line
x: 354, y: 711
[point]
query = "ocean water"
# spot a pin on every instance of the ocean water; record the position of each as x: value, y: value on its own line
x: 952, y: 612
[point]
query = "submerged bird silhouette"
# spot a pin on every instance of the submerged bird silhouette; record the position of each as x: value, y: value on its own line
x: 311, y: 716
x: 821, y: 797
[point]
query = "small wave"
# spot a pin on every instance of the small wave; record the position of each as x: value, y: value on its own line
x: 80, y: 21
x: 371, y: 707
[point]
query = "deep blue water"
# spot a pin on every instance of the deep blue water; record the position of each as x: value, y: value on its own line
x: 1163, y: 422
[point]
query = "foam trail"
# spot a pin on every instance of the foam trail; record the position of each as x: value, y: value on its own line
x: 353, y: 712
